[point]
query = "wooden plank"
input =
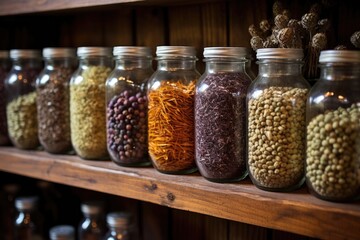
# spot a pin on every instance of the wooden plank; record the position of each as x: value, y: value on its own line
x: 297, y: 212
x: 87, y: 32
x: 214, y: 27
x: 155, y: 222
x: 243, y: 231
x: 150, y: 27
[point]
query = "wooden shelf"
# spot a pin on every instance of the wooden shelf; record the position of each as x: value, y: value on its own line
x: 296, y: 212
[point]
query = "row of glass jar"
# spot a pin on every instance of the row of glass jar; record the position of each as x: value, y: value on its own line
x: 219, y: 122
x: 29, y: 221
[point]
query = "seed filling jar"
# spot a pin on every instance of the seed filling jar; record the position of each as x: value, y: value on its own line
x: 21, y: 98
x: 220, y: 115
x: 276, y: 104
x: 4, y: 70
x: 53, y: 109
x: 126, y: 100
x: 333, y: 128
x: 170, y: 95
x: 87, y: 102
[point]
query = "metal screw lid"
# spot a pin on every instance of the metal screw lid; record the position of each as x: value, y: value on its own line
x: 58, y: 52
x: 176, y: 51
x: 338, y: 56
x: 62, y: 232
x: 4, y: 54
x: 24, y: 53
x: 26, y: 203
x: 93, y: 51
x: 226, y: 52
x: 118, y: 219
x: 132, y: 51
x: 91, y: 208
x: 280, y: 53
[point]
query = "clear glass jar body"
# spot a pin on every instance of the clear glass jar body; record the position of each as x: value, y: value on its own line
x: 27, y: 224
x: 4, y: 70
x: 171, y: 91
x: 53, y: 109
x: 276, y: 104
x: 220, y: 120
x: 87, y: 104
x: 119, y: 226
x: 333, y: 130
x: 92, y: 225
x: 62, y: 232
x: 21, y: 98
x: 127, y: 110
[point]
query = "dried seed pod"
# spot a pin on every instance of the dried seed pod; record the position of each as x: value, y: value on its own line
x: 316, y: 8
x: 256, y: 42
x: 309, y: 21
x: 285, y: 37
x: 355, y: 39
x: 253, y: 31
x: 286, y: 12
x: 328, y: 3
x: 281, y: 21
x: 319, y: 41
x: 269, y: 43
x: 323, y: 25
x: 277, y: 8
x: 265, y: 25
x: 340, y: 47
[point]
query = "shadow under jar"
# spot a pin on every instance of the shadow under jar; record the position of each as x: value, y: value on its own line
x: 126, y: 112
x: 220, y: 115
x: 171, y: 91
x: 333, y: 128
x: 53, y: 108
x: 276, y: 104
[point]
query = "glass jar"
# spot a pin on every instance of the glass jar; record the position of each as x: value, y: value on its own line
x: 220, y: 115
x: 127, y: 106
x: 92, y: 226
x: 4, y: 70
x: 171, y: 92
x: 119, y: 224
x: 52, y: 89
x: 276, y: 104
x: 333, y: 128
x: 87, y: 102
x: 28, y: 225
x: 62, y: 232
x: 21, y: 98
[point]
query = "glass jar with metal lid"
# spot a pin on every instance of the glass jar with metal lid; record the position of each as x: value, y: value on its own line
x: 127, y: 106
x: 119, y: 224
x: 62, y: 232
x: 53, y: 109
x: 170, y: 96
x: 333, y: 128
x: 87, y: 102
x: 276, y: 104
x: 21, y: 98
x: 4, y: 70
x: 220, y: 115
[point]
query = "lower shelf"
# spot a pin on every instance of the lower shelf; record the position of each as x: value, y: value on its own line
x: 296, y: 212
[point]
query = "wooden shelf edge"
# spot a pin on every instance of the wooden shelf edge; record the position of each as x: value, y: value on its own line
x: 296, y: 212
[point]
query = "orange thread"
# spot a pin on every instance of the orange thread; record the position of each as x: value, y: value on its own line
x: 171, y: 126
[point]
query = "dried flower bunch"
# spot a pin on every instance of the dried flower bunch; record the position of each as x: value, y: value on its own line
x: 309, y: 33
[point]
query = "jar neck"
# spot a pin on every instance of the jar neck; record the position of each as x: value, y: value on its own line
x: 174, y: 64
x: 215, y: 66
x: 279, y: 68
x: 26, y: 63
x: 97, y: 61
x: 60, y: 62
x: 340, y: 72
x: 133, y: 63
